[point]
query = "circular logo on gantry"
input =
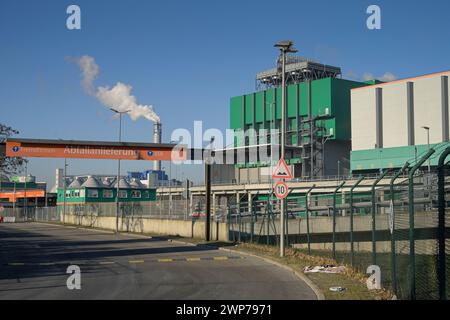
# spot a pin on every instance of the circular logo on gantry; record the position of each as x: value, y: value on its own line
x: 15, y: 148
x: 149, y: 153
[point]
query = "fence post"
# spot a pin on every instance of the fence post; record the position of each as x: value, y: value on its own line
x: 374, y: 209
x: 227, y: 216
x: 307, y: 218
x: 352, y: 250
x: 269, y: 212
x: 334, y: 218
x: 441, y: 225
x: 250, y: 208
x: 238, y: 222
x: 412, y: 250
x: 393, y: 258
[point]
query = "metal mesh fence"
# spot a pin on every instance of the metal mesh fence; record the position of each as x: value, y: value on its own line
x: 401, y: 238
x: 446, y: 236
x: 160, y: 209
x: 394, y: 227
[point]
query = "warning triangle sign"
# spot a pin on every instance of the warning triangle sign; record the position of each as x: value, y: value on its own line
x: 282, y: 171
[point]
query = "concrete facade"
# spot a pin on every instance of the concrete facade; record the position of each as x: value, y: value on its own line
x: 388, y: 120
x: 428, y: 100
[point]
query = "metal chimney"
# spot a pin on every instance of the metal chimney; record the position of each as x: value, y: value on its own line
x: 157, y: 139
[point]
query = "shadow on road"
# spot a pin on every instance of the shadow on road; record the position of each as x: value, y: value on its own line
x: 33, y: 244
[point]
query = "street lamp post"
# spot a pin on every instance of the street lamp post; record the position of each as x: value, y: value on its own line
x: 120, y: 113
x: 285, y: 47
x: 428, y: 144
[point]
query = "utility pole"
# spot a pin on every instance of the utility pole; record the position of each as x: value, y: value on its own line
x: 285, y: 47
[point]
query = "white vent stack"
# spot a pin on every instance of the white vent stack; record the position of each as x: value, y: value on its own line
x: 157, y: 139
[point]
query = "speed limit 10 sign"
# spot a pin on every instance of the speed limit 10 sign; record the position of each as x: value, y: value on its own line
x: 281, y: 190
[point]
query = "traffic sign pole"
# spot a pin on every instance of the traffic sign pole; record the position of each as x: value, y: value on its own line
x: 283, y: 141
x: 285, y: 46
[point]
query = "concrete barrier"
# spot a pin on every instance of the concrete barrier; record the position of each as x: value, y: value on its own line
x: 183, y: 228
x: 7, y: 219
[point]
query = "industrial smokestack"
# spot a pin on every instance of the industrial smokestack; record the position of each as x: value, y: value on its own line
x: 157, y: 139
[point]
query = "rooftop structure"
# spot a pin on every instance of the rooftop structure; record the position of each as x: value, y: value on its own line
x: 298, y: 69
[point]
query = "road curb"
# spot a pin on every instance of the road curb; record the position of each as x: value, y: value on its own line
x: 309, y: 282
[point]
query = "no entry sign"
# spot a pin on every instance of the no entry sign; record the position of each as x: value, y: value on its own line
x: 281, y: 190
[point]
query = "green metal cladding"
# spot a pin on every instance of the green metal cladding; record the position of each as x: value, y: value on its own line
x: 330, y: 93
x: 387, y: 158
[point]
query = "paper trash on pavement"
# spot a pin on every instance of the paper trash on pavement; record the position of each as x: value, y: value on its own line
x: 324, y: 269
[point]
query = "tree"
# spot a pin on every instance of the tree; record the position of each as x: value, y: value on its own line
x: 9, y: 165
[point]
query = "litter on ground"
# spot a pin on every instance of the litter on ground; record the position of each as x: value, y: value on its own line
x: 337, y: 289
x: 324, y: 269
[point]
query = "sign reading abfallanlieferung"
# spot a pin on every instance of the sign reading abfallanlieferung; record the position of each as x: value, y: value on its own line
x: 124, y: 151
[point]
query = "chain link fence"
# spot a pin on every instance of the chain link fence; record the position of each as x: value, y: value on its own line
x: 400, y: 226
x: 160, y: 209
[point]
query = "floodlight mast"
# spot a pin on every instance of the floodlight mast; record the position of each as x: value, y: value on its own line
x: 285, y: 46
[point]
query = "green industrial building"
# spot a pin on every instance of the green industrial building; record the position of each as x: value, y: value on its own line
x: 93, y: 191
x: 336, y: 126
x: 318, y: 128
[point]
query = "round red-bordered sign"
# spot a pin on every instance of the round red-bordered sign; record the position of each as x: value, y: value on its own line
x: 281, y: 190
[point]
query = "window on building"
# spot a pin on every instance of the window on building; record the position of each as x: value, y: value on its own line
x: 67, y: 193
x: 76, y: 193
x: 146, y: 194
x: 92, y: 193
x: 135, y: 194
x: 108, y: 194
x: 123, y: 194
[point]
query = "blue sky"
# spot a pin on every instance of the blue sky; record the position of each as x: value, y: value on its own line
x: 187, y: 58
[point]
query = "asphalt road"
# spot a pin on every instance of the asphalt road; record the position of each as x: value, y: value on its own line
x: 34, y: 259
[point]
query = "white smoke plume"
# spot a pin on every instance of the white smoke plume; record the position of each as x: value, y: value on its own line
x: 118, y: 97
x: 90, y: 71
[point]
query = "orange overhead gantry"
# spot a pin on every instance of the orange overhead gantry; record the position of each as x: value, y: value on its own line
x: 94, y: 150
